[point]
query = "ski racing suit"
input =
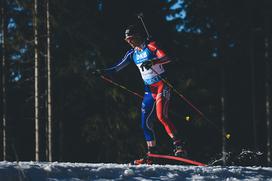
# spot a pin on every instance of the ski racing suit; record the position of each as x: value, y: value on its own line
x: 157, y: 93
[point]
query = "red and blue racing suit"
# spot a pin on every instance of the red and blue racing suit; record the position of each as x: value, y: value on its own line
x: 157, y: 93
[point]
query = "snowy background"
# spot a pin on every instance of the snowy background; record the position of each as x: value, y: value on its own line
x: 37, y: 171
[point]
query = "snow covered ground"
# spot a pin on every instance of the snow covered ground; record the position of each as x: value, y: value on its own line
x: 37, y: 171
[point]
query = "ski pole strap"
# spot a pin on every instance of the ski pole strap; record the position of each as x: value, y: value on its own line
x: 121, y: 86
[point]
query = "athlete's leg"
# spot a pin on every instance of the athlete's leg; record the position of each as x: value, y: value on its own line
x: 148, y: 109
x: 162, y: 102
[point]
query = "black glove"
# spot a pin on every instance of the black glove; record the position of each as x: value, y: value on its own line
x: 147, y: 65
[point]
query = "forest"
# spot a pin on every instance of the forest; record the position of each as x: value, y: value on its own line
x: 53, y: 108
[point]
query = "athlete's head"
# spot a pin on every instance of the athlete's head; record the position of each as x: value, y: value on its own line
x: 133, y: 36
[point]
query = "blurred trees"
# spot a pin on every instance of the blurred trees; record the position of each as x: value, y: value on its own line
x: 19, y: 78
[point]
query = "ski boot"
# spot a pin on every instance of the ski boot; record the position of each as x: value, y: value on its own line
x: 146, y: 160
x: 179, y: 150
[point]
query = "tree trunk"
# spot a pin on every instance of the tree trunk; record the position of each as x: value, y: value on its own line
x: 3, y: 81
x: 49, y: 97
x: 36, y: 77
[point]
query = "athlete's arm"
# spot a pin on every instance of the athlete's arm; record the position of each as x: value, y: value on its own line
x: 161, y: 57
x: 122, y: 63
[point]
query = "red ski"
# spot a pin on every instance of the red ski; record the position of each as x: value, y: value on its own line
x: 183, y: 160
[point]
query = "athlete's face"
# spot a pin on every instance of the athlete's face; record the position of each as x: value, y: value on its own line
x: 134, y: 41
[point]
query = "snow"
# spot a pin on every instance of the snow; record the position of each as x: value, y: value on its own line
x: 55, y: 171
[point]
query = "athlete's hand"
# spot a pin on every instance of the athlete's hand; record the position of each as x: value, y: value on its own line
x: 147, y: 65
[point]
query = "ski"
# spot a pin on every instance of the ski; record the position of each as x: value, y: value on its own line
x: 180, y: 159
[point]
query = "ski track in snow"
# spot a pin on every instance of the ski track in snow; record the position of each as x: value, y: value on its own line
x: 55, y: 171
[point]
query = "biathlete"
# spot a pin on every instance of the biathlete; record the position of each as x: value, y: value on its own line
x: 150, y: 59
